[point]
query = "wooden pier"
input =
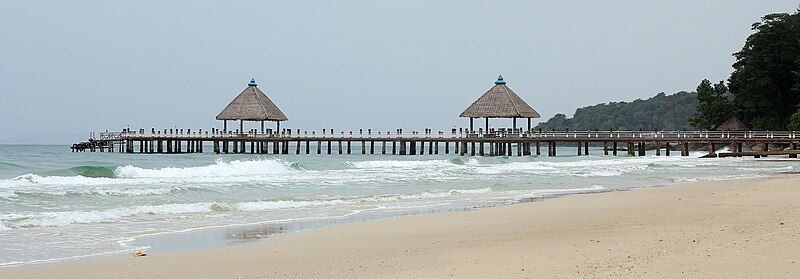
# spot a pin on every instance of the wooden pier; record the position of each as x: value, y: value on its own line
x: 461, y: 142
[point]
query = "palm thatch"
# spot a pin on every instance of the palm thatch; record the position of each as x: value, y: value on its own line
x: 500, y: 102
x: 733, y: 124
x: 252, y: 105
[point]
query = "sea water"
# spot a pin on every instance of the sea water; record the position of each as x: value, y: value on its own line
x: 57, y: 205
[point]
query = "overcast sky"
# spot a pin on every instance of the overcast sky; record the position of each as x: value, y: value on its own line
x: 70, y: 67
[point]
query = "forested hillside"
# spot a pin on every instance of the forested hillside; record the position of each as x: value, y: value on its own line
x: 661, y: 112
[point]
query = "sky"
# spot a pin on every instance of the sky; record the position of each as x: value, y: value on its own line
x: 71, y: 67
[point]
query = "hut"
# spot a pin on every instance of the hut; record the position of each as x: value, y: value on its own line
x: 251, y: 105
x: 733, y: 124
x: 499, y: 102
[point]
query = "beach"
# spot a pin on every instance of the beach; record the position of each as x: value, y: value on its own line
x: 725, y: 229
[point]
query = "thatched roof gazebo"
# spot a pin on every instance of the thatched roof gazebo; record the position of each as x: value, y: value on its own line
x: 733, y: 124
x: 251, y: 105
x: 499, y: 102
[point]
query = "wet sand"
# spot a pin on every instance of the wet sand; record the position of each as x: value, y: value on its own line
x: 717, y: 229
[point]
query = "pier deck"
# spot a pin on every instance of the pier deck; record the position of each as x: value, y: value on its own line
x: 494, y: 143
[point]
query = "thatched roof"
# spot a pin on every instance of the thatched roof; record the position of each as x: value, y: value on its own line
x: 500, y: 102
x: 252, y: 105
x: 733, y: 124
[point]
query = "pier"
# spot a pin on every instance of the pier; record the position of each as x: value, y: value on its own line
x: 499, y: 101
x: 461, y: 142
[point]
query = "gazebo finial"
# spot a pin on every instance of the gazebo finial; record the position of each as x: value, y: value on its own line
x: 500, y: 80
x: 252, y: 82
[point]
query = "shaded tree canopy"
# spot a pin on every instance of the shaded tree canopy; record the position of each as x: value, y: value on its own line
x: 661, y: 112
x: 714, y: 106
x: 765, y: 82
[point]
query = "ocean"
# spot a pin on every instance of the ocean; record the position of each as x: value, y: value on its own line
x: 57, y: 205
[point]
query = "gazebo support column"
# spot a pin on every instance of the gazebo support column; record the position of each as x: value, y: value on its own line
x: 225, y: 126
x: 513, y: 124
x: 529, y: 125
x: 262, y: 126
x: 470, y: 125
x: 241, y: 126
x: 487, y: 126
x: 278, y: 127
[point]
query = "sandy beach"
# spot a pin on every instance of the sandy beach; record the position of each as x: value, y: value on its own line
x: 717, y: 229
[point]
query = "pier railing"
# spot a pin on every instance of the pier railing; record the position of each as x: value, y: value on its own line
x: 462, y: 133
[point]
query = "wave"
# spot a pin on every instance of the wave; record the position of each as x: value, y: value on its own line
x: 95, y: 171
x: 64, y: 218
x: 218, y: 169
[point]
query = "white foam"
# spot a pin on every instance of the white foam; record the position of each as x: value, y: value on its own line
x: 63, y: 218
x: 218, y: 169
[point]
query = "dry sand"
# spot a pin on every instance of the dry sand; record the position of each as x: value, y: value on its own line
x: 721, y: 229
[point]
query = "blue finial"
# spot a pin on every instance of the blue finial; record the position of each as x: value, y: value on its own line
x: 252, y: 82
x: 500, y: 80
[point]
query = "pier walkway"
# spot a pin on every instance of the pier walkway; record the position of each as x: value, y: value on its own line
x: 502, y: 142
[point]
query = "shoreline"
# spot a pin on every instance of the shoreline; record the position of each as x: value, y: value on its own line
x: 488, y: 229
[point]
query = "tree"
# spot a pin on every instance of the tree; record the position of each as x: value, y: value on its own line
x: 661, y: 112
x: 765, y: 82
x: 794, y: 121
x: 714, y: 105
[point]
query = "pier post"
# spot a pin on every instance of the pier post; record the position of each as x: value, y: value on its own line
x: 308, y: 146
x: 383, y: 147
x: 402, y: 147
x: 436, y: 147
x: 339, y: 143
x: 605, y: 148
x: 446, y: 147
x: 658, y: 148
x: 430, y: 147
x: 586, y: 148
x: 712, y: 149
x: 372, y: 147
x: 580, y: 149
x: 538, y: 148
x: 509, y: 149
x: 394, y: 147
x: 685, y: 149
x: 216, y: 147
x: 329, y: 147
x: 641, y: 149
x: 422, y: 147
x: 412, y: 148
x: 631, y: 149
x: 793, y: 147
x: 519, y: 149
x: 348, y: 147
x: 666, y: 149
x: 297, y: 147
x: 319, y: 147
x: 766, y: 149
x: 480, y: 150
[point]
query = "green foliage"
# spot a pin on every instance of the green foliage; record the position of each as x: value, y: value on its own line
x: 714, y: 106
x: 794, y: 121
x: 766, y: 78
x: 662, y: 112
